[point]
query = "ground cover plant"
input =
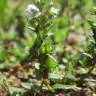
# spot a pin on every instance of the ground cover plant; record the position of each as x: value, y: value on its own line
x: 47, y: 48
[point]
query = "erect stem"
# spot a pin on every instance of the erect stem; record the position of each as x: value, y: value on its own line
x: 34, y: 50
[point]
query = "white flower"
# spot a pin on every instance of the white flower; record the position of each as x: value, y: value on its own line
x: 32, y: 11
x: 54, y: 10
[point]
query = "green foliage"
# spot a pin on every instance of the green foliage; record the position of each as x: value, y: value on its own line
x: 46, y: 51
x: 3, y: 10
x: 69, y: 77
x: 49, y: 62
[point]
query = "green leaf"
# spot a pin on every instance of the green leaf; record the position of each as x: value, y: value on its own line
x: 50, y: 62
x: 94, y: 10
x: 56, y: 75
x: 31, y: 28
x: 69, y: 77
x: 58, y: 86
x: 27, y: 85
x: 14, y: 90
x: 46, y: 48
x: 3, y: 54
x: 3, y: 11
x: 4, y: 66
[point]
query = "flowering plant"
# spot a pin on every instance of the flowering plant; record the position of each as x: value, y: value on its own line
x: 41, y: 21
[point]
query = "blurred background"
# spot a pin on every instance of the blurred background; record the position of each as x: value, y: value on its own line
x: 72, y: 41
